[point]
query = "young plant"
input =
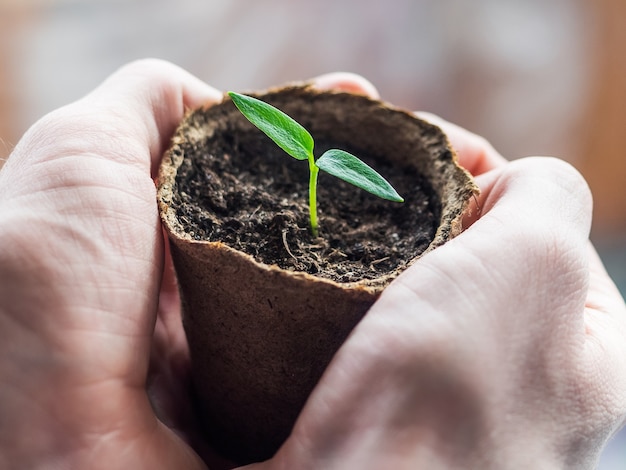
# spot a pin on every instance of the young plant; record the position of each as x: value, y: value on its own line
x: 298, y: 143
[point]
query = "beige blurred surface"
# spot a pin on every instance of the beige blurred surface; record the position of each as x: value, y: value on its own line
x: 603, y: 135
x: 502, y: 69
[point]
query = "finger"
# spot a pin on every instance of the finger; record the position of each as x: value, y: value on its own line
x: 475, y: 153
x: 169, y: 332
x: 169, y: 302
x: 345, y: 81
x: 485, y: 183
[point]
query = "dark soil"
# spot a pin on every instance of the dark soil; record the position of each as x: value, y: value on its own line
x: 250, y: 195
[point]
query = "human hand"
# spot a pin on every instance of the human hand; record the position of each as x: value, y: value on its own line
x: 93, y: 359
x: 81, y: 261
x: 502, y: 349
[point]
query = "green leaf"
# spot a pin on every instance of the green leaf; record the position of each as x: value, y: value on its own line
x: 282, y: 129
x: 349, y: 168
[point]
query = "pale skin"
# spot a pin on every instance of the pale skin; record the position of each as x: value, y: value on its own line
x: 502, y: 349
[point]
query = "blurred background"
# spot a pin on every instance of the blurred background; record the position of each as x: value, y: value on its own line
x: 535, y: 77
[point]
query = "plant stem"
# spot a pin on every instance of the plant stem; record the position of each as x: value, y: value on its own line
x: 313, y: 172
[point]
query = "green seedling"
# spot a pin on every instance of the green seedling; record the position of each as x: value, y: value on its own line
x: 298, y: 143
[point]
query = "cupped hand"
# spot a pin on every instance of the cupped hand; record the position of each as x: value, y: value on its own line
x: 81, y: 262
x: 93, y: 359
x: 502, y: 349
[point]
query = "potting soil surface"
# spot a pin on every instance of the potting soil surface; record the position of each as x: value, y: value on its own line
x: 250, y: 195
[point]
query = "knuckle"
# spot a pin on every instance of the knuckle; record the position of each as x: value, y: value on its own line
x: 569, y: 177
x: 563, y: 177
x: 151, y: 80
x: 149, y: 68
x: 554, y: 199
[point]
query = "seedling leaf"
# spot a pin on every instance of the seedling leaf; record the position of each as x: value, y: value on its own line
x: 297, y: 142
x: 349, y: 168
x: 282, y: 129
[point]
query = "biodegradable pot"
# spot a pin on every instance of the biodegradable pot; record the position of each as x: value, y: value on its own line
x: 261, y: 335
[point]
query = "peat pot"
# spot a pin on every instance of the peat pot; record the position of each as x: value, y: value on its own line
x: 265, y: 305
